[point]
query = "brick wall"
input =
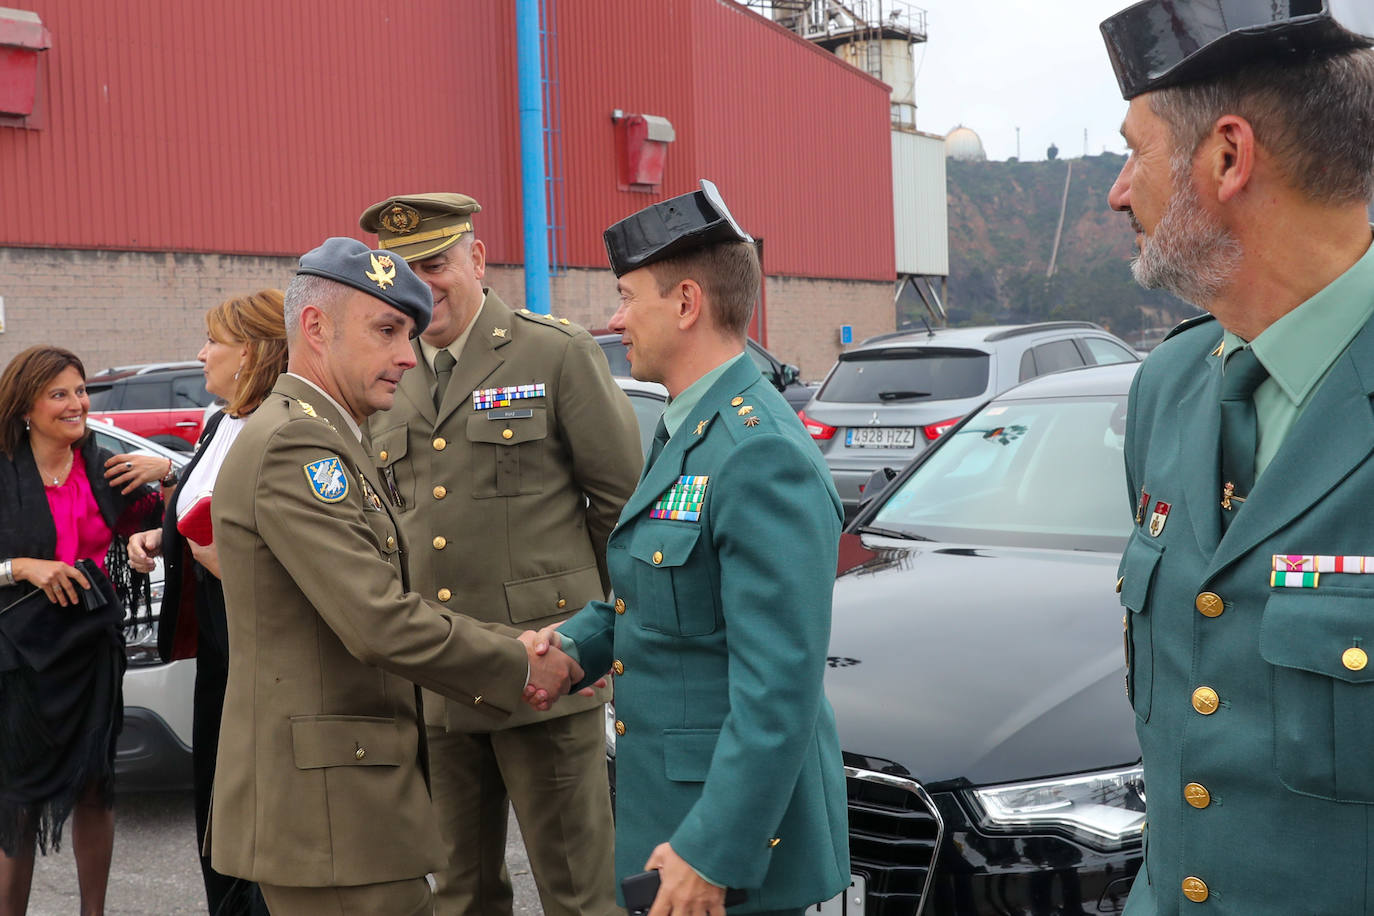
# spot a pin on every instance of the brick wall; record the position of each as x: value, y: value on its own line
x: 113, y: 307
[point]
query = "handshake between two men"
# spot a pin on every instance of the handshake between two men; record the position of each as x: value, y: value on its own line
x: 552, y: 671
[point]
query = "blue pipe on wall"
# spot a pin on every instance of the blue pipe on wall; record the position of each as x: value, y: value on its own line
x: 532, y: 156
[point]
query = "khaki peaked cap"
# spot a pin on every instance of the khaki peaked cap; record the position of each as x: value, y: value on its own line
x: 417, y: 226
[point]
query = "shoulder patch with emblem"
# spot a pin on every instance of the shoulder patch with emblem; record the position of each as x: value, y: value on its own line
x: 327, y: 480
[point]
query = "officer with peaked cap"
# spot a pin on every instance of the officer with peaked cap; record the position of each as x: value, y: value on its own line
x: 1248, y: 582
x: 510, y: 476
x: 728, y: 769
x: 320, y: 791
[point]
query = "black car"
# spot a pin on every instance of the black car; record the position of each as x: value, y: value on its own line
x: 784, y: 376
x: 976, y: 666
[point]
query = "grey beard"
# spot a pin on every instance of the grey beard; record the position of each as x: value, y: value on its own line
x: 1190, y: 254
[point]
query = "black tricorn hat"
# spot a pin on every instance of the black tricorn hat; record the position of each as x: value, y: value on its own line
x: 1158, y: 43
x: 671, y: 227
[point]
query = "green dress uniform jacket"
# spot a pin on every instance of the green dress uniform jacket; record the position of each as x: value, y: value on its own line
x: 508, y: 508
x: 319, y: 779
x: 718, y: 635
x: 1255, y: 717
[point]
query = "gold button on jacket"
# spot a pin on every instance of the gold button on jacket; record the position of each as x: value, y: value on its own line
x: 1205, y: 700
x: 440, y: 542
x: 507, y: 433
x: 360, y: 753
x: 619, y: 727
x: 620, y: 605
x: 618, y: 667
x: 440, y: 492
x: 1209, y: 604
x: 658, y: 557
x: 440, y: 444
x: 1355, y: 659
x: 384, y: 455
x: 445, y: 594
x: 1195, y: 889
x: 1197, y: 795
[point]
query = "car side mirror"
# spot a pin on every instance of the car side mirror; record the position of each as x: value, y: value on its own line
x: 790, y: 374
x: 877, y: 482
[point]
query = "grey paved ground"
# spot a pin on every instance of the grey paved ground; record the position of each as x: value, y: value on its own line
x: 155, y: 870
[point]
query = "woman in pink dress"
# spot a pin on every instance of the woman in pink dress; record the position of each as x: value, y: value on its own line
x: 60, y: 716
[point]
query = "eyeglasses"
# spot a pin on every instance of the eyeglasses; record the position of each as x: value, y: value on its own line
x: 1159, y: 43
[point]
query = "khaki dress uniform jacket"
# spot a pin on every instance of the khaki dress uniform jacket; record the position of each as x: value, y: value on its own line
x: 723, y: 565
x: 319, y: 779
x: 507, y: 509
x: 1254, y: 702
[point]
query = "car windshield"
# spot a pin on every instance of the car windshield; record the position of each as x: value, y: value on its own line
x: 906, y: 374
x: 1034, y: 473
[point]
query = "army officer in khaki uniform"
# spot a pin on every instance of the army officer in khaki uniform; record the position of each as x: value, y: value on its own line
x: 320, y: 793
x: 510, y: 452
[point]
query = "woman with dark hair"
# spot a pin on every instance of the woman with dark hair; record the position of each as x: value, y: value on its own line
x: 60, y: 701
x: 244, y: 352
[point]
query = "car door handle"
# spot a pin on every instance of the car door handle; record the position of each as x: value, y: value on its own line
x: 186, y: 423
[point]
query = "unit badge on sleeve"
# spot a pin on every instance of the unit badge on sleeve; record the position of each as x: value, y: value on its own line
x: 1158, y: 518
x: 327, y: 480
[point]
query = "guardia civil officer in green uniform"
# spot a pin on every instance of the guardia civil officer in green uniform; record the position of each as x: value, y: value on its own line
x: 511, y: 451
x: 728, y: 770
x: 320, y: 793
x: 1248, y: 581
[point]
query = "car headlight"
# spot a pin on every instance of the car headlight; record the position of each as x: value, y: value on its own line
x: 1105, y: 810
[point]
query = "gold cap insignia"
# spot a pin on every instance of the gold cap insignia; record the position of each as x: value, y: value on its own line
x: 564, y: 321
x: 383, y: 271
x: 400, y: 219
x: 498, y: 332
x: 746, y: 410
x: 751, y: 421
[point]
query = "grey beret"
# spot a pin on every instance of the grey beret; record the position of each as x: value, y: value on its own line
x: 377, y: 273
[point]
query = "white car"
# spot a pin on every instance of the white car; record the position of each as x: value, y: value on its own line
x: 154, y: 749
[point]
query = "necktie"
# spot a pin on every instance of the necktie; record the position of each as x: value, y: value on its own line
x: 1243, y: 373
x: 660, y: 440
x: 443, y: 371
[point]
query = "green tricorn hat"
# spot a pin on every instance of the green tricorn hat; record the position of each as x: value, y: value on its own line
x: 418, y: 226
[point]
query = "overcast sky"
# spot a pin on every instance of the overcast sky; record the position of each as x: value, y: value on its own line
x: 995, y: 65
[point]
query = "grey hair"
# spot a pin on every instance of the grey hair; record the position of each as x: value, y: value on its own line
x: 308, y: 289
x: 1315, y: 117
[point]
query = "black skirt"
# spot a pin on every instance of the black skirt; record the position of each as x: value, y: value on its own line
x: 61, y: 708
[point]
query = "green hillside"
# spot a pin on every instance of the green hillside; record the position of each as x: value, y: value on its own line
x: 1002, y: 219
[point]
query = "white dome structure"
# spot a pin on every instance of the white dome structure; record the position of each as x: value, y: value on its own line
x: 964, y: 145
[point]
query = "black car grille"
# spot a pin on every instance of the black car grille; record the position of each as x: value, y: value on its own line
x: 894, y: 836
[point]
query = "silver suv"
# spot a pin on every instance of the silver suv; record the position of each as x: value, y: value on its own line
x: 887, y: 399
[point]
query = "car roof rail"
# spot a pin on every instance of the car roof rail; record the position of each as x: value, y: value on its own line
x: 1041, y: 326
x: 164, y: 367
x: 905, y: 332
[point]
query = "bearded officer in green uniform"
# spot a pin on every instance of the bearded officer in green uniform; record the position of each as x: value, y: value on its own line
x: 1248, y: 581
x: 728, y: 769
x: 320, y: 793
x: 511, y: 451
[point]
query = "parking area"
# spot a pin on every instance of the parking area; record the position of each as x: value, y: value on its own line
x: 156, y: 872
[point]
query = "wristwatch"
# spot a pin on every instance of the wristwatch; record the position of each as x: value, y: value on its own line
x: 170, y: 478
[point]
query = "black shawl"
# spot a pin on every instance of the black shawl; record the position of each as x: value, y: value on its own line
x: 60, y: 668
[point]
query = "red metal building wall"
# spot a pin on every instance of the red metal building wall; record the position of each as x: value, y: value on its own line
x: 797, y: 140
x: 260, y: 127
